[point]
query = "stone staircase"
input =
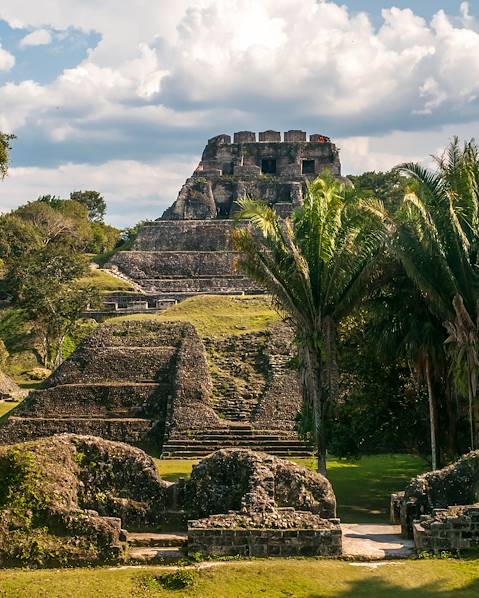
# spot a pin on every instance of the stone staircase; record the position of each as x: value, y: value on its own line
x: 199, y: 443
x: 232, y: 406
x: 150, y: 547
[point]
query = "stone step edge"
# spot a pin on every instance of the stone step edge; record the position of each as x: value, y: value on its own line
x: 156, y: 540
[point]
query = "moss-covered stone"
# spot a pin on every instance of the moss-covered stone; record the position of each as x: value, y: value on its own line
x: 65, y: 499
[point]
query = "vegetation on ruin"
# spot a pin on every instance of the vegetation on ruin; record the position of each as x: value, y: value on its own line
x: 277, y: 578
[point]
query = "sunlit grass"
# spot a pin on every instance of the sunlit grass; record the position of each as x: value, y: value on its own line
x: 5, y: 407
x: 216, y: 315
x: 274, y: 578
x: 104, y: 281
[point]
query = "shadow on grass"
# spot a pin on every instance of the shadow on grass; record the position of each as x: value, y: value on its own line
x: 379, y: 588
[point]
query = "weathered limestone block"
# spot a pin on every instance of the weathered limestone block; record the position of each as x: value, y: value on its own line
x: 245, y: 137
x: 294, y: 136
x: 270, y: 136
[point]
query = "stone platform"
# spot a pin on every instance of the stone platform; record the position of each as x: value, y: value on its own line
x: 375, y: 542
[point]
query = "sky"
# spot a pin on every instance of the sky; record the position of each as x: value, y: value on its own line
x: 121, y: 96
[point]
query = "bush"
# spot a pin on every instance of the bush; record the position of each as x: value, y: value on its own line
x: 178, y: 580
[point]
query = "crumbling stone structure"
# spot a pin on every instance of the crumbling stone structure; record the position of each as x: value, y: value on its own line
x: 151, y: 383
x: 284, y: 532
x: 269, y: 169
x: 188, y: 251
x: 74, y: 500
x: 245, y: 481
x: 64, y: 500
x: 257, y: 505
x: 121, y: 384
x: 456, y: 484
x: 9, y: 390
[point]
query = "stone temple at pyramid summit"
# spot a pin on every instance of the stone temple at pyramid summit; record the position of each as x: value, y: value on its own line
x: 187, y: 251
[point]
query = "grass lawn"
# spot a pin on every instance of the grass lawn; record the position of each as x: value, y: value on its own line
x: 218, y: 315
x: 104, y: 281
x: 362, y: 487
x: 5, y: 408
x: 278, y: 578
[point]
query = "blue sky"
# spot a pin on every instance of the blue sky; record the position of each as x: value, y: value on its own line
x: 103, y: 94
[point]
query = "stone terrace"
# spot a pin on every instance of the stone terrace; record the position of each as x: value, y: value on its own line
x: 145, y: 382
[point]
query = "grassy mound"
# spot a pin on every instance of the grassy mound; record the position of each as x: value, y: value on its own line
x: 217, y: 316
x: 104, y: 281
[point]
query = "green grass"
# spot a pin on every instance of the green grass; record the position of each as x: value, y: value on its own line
x: 5, y: 408
x: 218, y: 315
x: 362, y: 487
x: 104, y: 282
x: 276, y: 578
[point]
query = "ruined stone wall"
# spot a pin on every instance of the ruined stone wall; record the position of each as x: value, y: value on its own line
x: 141, y: 265
x: 163, y: 235
x: 456, y: 484
x: 325, y: 539
x: 453, y: 530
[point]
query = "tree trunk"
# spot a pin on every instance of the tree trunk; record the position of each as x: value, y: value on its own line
x: 432, y: 412
x: 314, y: 394
x: 471, y: 412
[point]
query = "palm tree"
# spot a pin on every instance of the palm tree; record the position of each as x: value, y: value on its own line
x: 436, y: 238
x: 316, y: 265
x: 401, y: 326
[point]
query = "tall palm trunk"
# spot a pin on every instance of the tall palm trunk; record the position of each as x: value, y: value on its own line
x: 313, y: 384
x: 432, y: 412
x: 471, y: 411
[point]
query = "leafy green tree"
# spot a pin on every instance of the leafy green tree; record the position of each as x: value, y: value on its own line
x: 43, y: 284
x: 5, y: 149
x: 436, y: 238
x: 17, y: 236
x: 93, y: 201
x: 316, y: 265
x: 379, y: 407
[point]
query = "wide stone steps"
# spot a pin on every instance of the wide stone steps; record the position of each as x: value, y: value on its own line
x: 203, y: 442
x: 150, y: 547
x: 198, y: 453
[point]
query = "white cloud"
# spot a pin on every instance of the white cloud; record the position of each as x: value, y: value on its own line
x: 40, y: 37
x: 7, y: 60
x: 181, y: 71
x: 306, y: 60
x: 133, y: 191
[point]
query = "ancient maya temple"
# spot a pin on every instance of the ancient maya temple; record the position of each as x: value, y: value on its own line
x: 187, y: 251
x: 161, y: 384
